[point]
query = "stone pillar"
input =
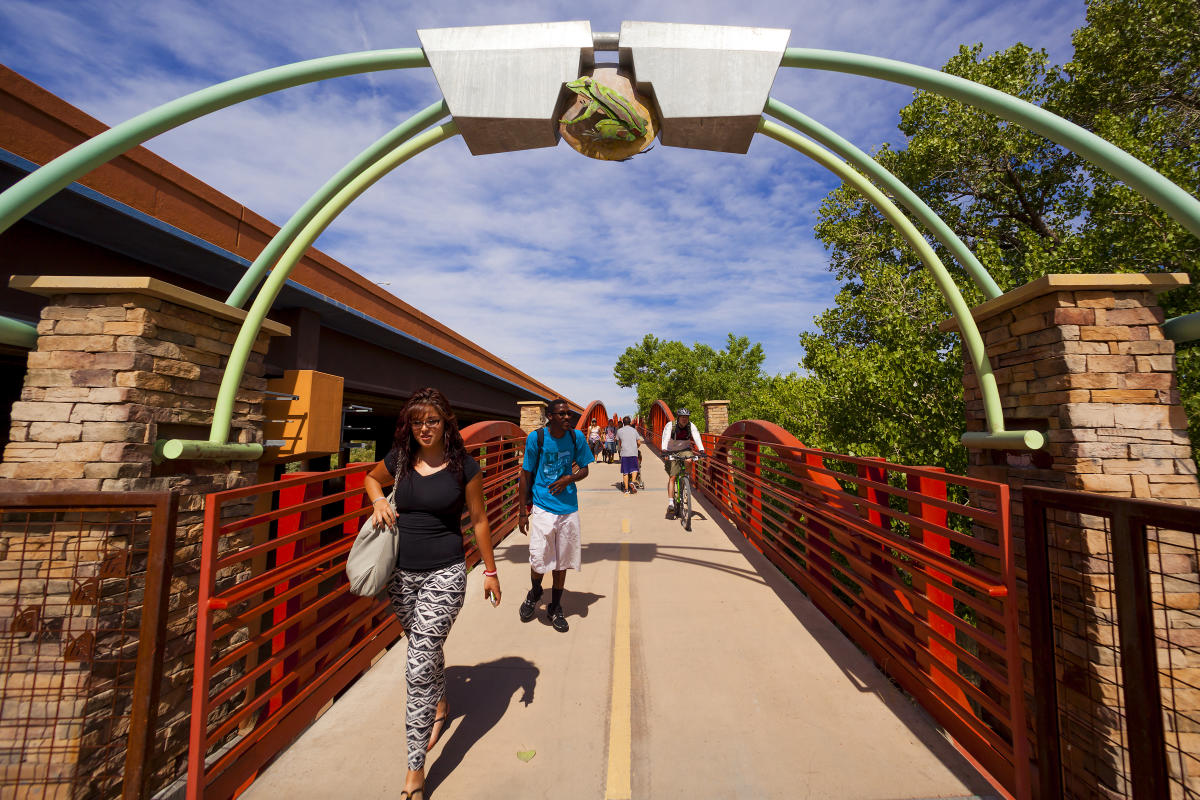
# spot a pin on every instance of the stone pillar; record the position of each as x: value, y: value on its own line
x: 533, y: 414
x: 716, y: 416
x: 1083, y: 359
x: 121, y: 363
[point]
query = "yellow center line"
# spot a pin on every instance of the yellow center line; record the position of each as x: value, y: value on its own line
x: 620, y: 722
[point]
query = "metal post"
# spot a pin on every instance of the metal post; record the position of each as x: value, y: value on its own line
x: 1139, y: 658
x: 152, y: 635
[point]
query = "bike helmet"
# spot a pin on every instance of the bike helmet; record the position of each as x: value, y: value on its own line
x: 683, y: 412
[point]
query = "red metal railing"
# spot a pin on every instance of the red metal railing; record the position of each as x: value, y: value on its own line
x: 279, y: 635
x: 915, y: 565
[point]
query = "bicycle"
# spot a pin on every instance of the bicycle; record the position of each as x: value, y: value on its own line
x: 683, y: 488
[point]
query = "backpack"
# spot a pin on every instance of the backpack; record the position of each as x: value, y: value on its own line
x: 541, y: 438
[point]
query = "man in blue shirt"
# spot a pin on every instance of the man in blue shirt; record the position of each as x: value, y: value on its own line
x: 549, y: 511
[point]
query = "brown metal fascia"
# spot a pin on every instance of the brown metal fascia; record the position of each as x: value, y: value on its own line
x: 39, y: 126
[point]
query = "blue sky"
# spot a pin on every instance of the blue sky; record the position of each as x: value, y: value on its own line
x: 552, y: 261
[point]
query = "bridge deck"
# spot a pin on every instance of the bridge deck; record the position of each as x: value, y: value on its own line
x: 739, y: 686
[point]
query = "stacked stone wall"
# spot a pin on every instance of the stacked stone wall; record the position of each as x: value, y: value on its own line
x: 1094, y: 372
x: 42, y: 683
x: 112, y: 374
x: 1090, y: 368
x: 716, y: 416
x: 533, y: 414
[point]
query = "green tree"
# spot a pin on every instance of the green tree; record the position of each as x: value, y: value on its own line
x: 1135, y: 80
x: 686, y: 376
x: 882, y: 379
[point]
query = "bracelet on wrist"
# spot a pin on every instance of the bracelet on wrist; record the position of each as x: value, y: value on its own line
x: 377, y: 499
x: 491, y: 574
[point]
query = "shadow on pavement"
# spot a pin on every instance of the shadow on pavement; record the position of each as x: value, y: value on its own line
x: 858, y: 667
x: 478, y: 697
x: 644, y: 552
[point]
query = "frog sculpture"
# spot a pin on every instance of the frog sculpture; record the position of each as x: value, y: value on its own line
x: 619, y: 120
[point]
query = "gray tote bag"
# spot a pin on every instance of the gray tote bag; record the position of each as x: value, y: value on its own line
x: 373, y: 556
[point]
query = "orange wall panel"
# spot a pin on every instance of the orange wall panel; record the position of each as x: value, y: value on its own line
x: 309, y: 425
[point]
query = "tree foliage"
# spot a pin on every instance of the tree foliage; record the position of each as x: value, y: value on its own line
x: 686, y: 376
x: 884, y: 381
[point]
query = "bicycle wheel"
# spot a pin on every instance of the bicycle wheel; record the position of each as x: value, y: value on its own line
x: 686, y: 509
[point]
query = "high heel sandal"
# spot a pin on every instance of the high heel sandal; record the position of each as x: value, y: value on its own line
x: 433, y: 740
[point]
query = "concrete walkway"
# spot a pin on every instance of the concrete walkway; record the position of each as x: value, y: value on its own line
x: 736, y: 686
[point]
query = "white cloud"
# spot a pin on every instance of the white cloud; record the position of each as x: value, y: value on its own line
x: 551, y: 261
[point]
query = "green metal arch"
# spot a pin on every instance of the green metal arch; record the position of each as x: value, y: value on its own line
x: 35, y: 188
x: 380, y: 148
x: 996, y: 437
x: 810, y: 127
x: 227, y: 393
x: 1182, y: 207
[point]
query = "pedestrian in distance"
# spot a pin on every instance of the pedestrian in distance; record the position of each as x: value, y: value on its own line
x: 628, y: 440
x: 677, y: 436
x: 594, y: 439
x: 556, y: 458
x: 610, y: 441
x: 435, y: 478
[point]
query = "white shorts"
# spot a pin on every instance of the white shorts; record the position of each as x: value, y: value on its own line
x: 553, y: 541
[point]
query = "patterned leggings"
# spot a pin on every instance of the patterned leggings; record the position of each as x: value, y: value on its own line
x: 427, y: 603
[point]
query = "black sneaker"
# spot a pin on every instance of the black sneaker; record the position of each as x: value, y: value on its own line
x: 529, y: 607
x: 670, y: 512
x: 555, y: 617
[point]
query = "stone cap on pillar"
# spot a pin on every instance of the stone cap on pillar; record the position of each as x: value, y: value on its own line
x: 533, y: 414
x: 1049, y: 284
x: 504, y: 83
x: 51, y: 285
x: 710, y: 82
x: 716, y: 415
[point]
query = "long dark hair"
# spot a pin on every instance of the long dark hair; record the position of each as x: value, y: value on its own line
x: 422, y: 402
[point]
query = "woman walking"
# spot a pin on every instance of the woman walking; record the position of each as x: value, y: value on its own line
x: 435, y: 478
x: 594, y: 439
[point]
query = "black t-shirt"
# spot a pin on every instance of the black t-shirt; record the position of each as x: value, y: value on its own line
x: 429, y: 515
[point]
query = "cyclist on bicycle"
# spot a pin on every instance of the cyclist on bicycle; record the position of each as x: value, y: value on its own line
x: 677, y: 436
